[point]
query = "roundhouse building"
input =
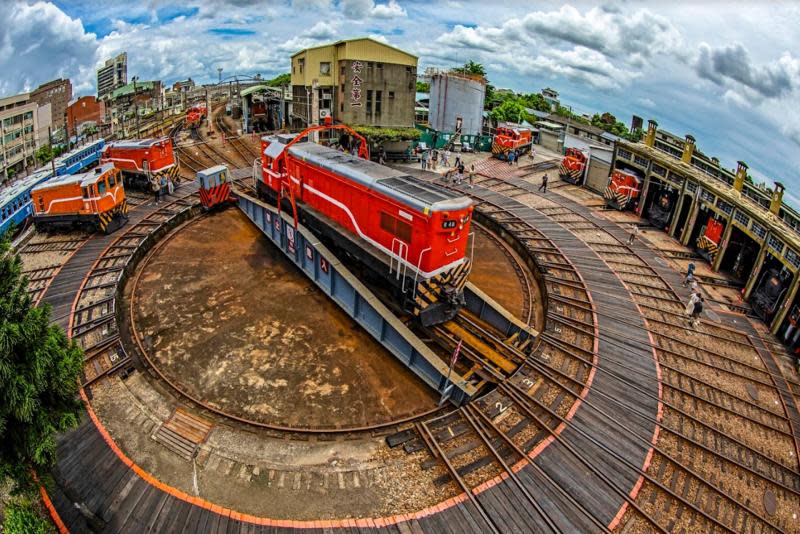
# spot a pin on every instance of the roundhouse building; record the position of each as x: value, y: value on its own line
x: 759, y: 235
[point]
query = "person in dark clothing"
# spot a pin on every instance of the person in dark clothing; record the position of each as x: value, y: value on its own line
x: 543, y: 187
x: 698, y: 309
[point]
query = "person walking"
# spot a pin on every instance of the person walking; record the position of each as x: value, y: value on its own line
x: 154, y: 187
x: 690, y: 304
x: 382, y: 157
x: 460, y: 175
x: 696, y: 311
x: 633, y: 234
x: 446, y: 157
x: 689, y: 274
x: 163, y: 185
x: 434, y: 159
x: 517, y: 157
x: 472, y: 176
x: 543, y: 187
x: 424, y: 160
x: 510, y: 157
x: 458, y: 160
x: 533, y: 154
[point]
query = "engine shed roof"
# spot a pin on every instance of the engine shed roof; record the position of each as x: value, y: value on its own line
x: 391, y: 182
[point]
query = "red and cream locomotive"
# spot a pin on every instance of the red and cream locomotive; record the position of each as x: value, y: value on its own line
x: 401, y: 233
x: 623, y: 190
x: 572, y: 166
x: 141, y: 160
x: 195, y: 115
x: 94, y: 200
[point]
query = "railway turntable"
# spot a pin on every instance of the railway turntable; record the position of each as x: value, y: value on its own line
x: 257, y: 402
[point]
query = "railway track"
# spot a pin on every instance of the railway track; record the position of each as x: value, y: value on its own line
x: 244, y: 150
x: 93, y: 323
x: 730, y: 436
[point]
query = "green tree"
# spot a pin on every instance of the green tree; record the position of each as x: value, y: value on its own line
x: 22, y: 517
x: 536, y: 101
x: 39, y: 369
x: 635, y: 135
x: 376, y: 135
x: 280, y: 80
x: 423, y: 87
x: 511, y: 110
x: 471, y: 67
x: 44, y: 154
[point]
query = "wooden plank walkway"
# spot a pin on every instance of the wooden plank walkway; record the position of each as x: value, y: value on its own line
x: 101, y: 492
x: 675, y: 279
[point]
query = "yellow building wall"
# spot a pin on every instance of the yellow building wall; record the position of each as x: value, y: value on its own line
x: 358, y: 49
x: 369, y: 50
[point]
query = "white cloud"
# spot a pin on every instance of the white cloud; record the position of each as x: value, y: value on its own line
x: 39, y: 42
x: 646, y: 102
x: 601, y: 48
x: 732, y: 66
x: 319, y: 33
x: 321, y: 30
x: 391, y: 10
x: 311, y: 4
x: 364, y: 9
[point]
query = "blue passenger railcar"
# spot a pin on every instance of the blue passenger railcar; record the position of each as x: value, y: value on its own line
x: 15, y: 199
x: 80, y: 158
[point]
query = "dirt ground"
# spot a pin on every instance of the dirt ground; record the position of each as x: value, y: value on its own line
x: 231, y: 321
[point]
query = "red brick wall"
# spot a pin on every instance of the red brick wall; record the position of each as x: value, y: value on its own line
x: 86, y: 108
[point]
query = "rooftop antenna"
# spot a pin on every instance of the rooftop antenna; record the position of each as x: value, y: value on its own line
x: 219, y: 73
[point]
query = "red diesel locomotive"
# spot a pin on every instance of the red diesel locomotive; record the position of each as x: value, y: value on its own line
x: 141, y: 160
x: 402, y: 233
x: 572, y: 166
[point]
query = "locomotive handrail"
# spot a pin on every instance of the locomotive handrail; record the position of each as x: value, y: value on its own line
x: 363, y: 149
x: 280, y: 160
x: 419, y: 267
x: 402, y: 245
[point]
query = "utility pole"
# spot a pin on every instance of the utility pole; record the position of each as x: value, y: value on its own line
x: 136, y: 105
x: 52, y: 155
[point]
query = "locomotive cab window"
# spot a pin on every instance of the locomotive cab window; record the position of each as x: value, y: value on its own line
x: 86, y: 192
x: 101, y: 186
x: 396, y: 227
x: 111, y: 181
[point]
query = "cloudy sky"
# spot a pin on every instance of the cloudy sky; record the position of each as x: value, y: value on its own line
x: 727, y: 72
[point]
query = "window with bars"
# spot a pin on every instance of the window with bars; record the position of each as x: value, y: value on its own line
x: 758, y: 230
x: 640, y: 161
x: 691, y: 187
x: 792, y: 257
x: 775, y: 244
x: 659, y: 170
x: 624, y: 154
x: 741, y: 218
x: 707, y: 196
x: 725, y: 206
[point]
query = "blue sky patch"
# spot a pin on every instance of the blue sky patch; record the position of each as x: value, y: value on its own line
x: 231, y: 32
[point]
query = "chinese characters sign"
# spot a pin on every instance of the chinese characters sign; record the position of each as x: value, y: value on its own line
x: 355, y: 92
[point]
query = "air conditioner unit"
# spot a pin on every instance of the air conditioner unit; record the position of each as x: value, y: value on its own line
x: 324, y: 113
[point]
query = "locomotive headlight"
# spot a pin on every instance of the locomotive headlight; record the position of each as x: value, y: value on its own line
x: 449, y: 224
